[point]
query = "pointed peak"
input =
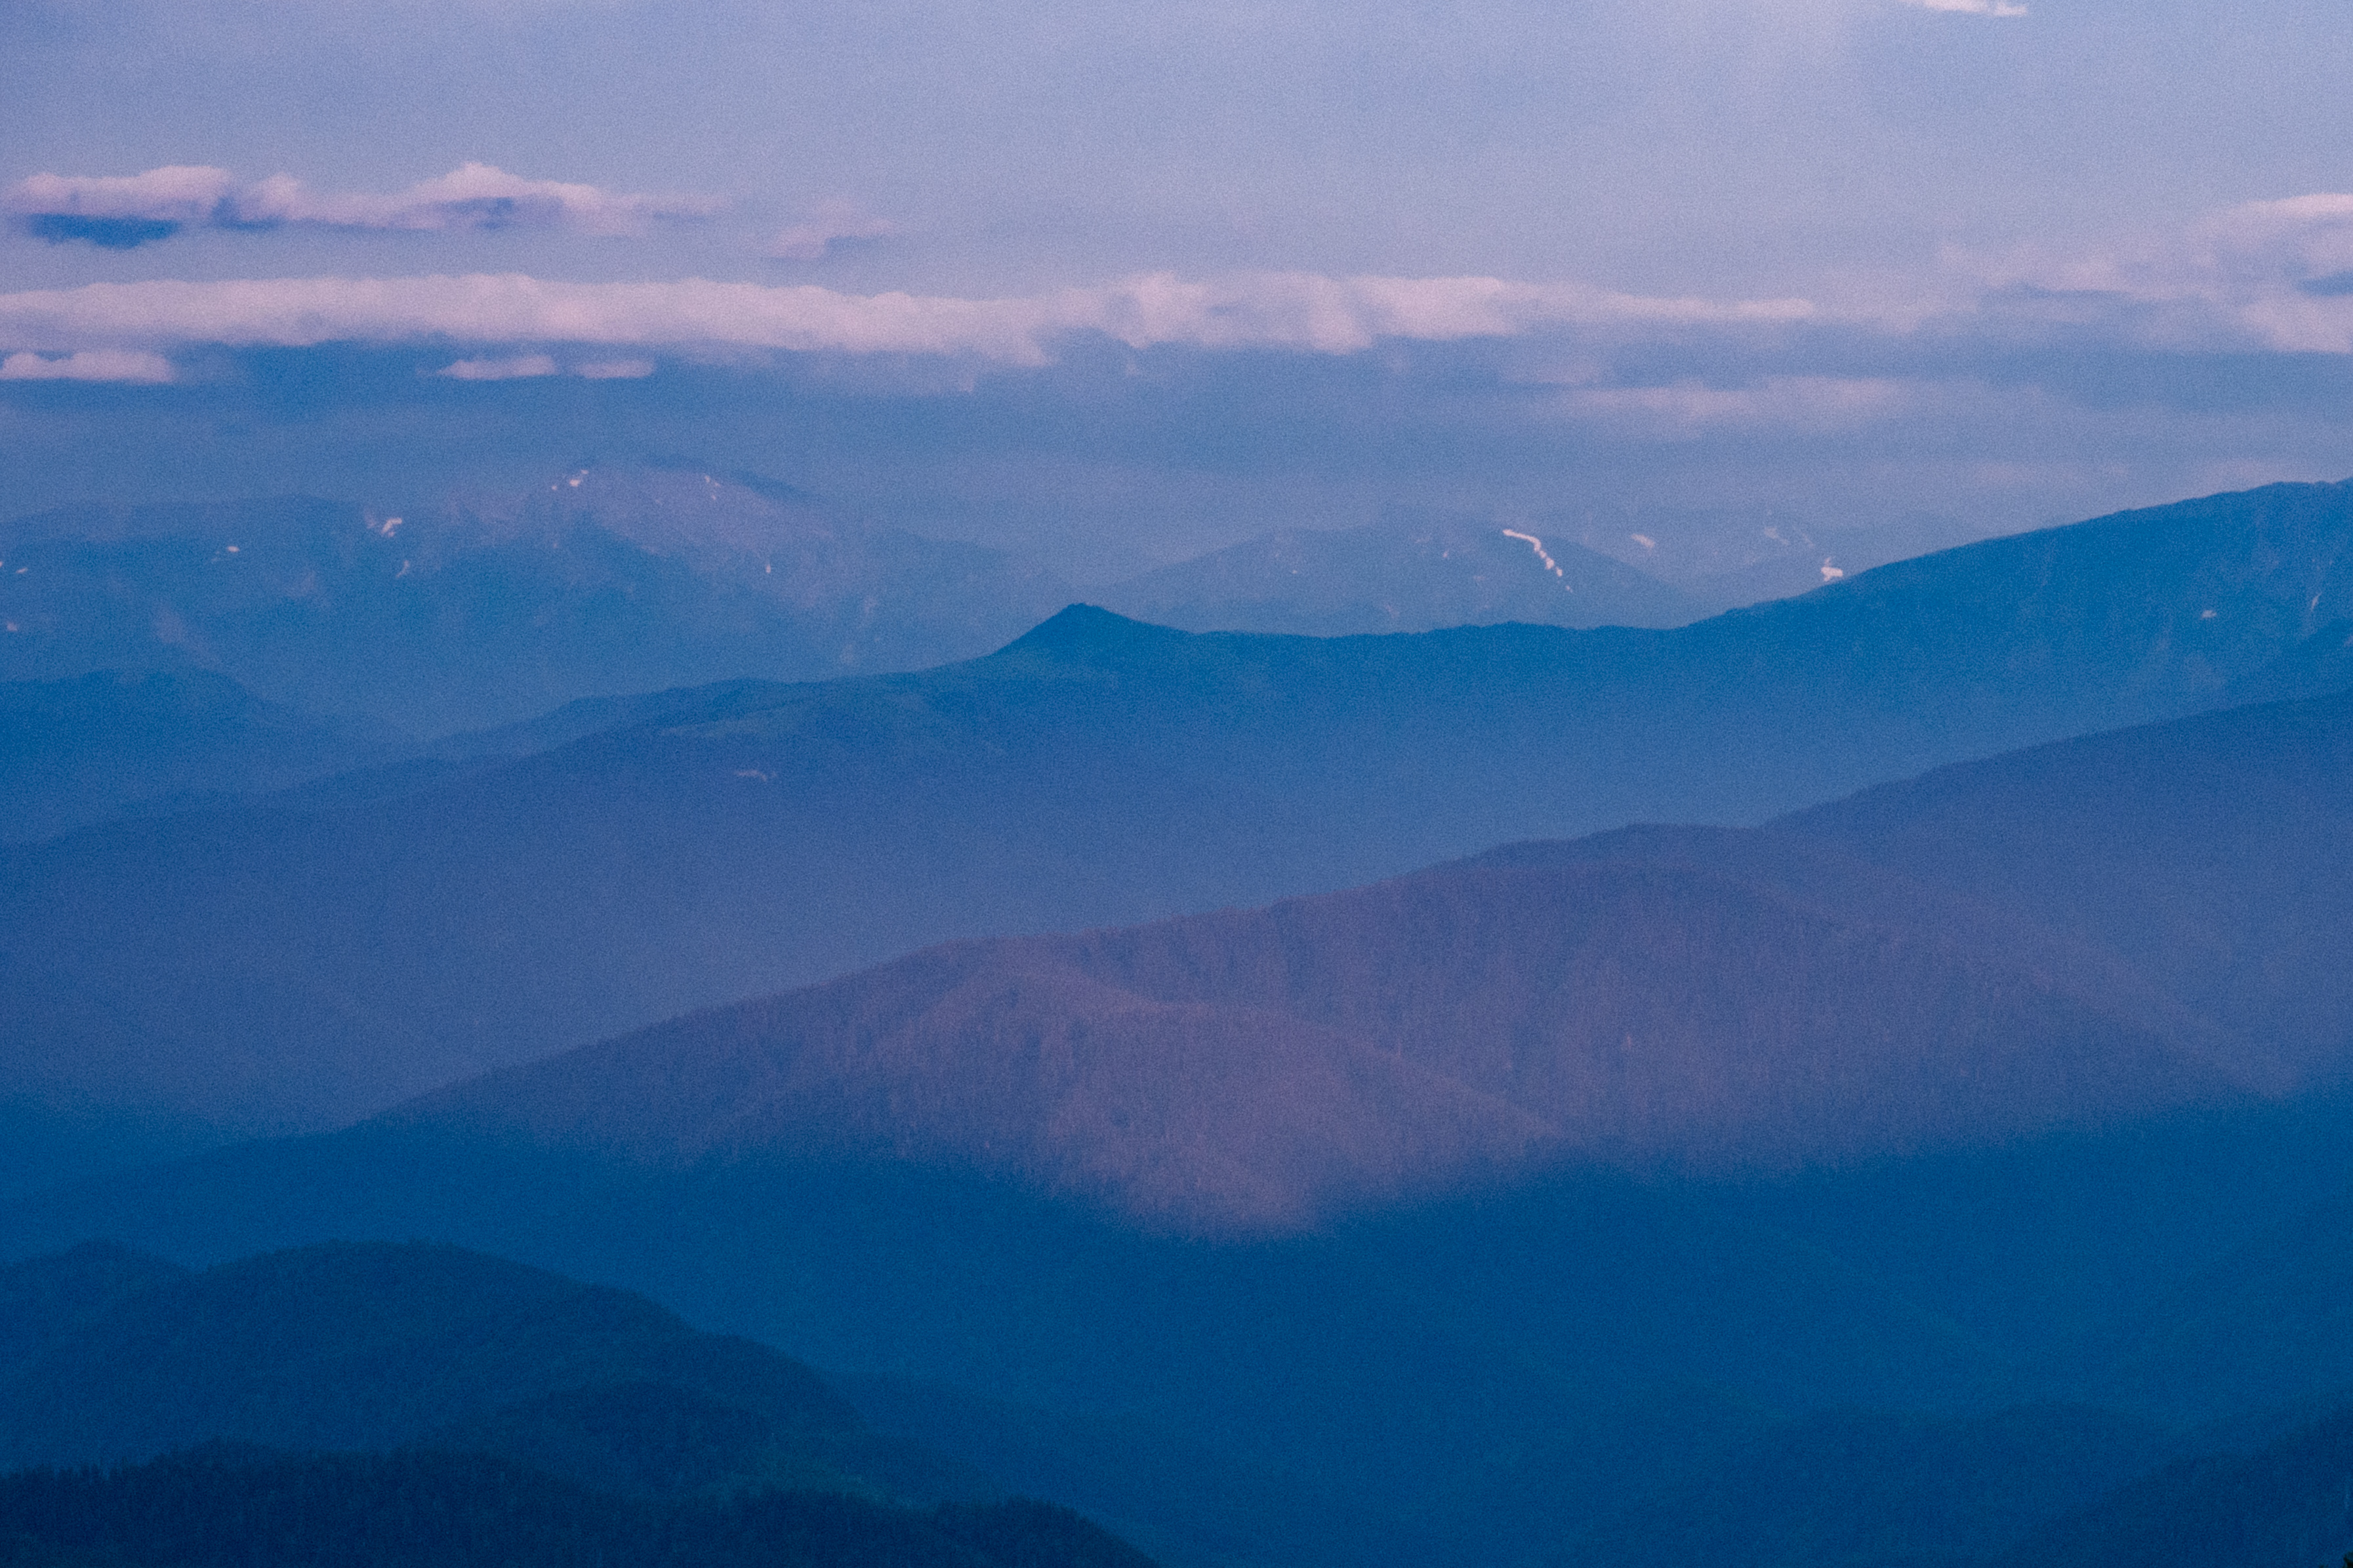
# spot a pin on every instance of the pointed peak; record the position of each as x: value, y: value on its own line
x: 1082, y: 629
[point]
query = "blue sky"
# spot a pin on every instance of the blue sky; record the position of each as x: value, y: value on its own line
x: 1076, y: 271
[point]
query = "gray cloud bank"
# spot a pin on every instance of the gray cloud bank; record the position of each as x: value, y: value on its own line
x: 122, y: 212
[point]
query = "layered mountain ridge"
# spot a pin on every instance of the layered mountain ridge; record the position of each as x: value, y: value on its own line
x: 1407, y: 574
x: 2076, y: 934
x: 493, y: 609
x: 303, y: 960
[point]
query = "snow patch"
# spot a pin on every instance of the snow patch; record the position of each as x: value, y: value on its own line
x: 1532, y: 543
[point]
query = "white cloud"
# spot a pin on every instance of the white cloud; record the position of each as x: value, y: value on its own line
x: 472, y: 196
x: 809, y: 239
x: 1821, y: 403
x: 90, y: 365
x: 179, y: 194
x: 2273, y: 274
x: 1972, y: 7
x: 516, y: 368
x: 1328, y: 315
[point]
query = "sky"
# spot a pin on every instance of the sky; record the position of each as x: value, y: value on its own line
x: 1117, y: 283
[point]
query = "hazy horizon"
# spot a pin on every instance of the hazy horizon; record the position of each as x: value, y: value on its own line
x: 1117, y: 289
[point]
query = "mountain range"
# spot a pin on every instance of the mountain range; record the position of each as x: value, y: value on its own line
x: 401, y: 1400
x: 2090, y: 931
x: 1411, y: 573
x: 1854, y: 1080
x: 77, y: 752
x: 495, y: 609
x: 1483, y: 1380
x: 302, y: 960
x: 1728, y: 558
x: 1542, y: 1135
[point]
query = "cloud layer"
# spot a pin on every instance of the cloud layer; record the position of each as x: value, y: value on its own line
x: 125, y: 211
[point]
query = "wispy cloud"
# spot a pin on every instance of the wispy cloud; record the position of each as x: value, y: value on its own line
x: 516, y: 367
x: 90, y: 365
x: 522, y: 367
x: 1818, y: 403
x: 1972, y: 7
x: 829, y: 224
x: 2268, y: 273
x: 122, y: 211
x: 1326, y: 315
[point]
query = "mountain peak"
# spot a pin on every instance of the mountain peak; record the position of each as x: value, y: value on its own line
x: 1082, y: 629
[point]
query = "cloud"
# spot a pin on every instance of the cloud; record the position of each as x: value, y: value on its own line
x: 520, y: 367
x: 1297, y: 311
x: 122, y: 211
x: 91, y: 364
x: 1809, y: 403
x: 2268, y: 273
x: 830, y: 223
x: 473, y: 195
x: 517, y: 368
x: 1972, y: 7
x: 119, y: 212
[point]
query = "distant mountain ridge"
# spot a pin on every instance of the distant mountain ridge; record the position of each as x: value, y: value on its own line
x: 297, y: 962
x: 1409, y: 574
x: 1733, y: 558
x: 76, y: 751
x: 495, y: 609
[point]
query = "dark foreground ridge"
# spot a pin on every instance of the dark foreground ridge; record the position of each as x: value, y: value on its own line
x: 441, y: 1406
x: 377, y: 1346
x: 227, y: 1507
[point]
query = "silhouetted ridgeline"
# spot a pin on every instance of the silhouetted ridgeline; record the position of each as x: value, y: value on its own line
x: 226, y: 1506
x: 376, y: 1346
x: 654, y: 1470
x: 452, y: 1407
x: 2289, y: 1502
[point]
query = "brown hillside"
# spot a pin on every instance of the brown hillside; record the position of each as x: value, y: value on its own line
x: 1255, y: 1069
